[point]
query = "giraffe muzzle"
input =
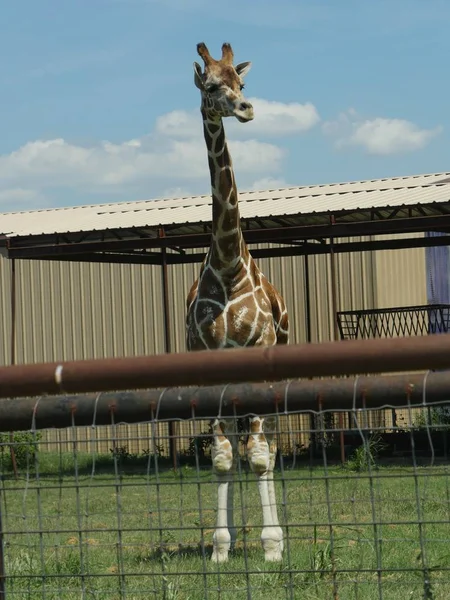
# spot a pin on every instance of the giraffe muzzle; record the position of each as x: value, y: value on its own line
x: 244, y: 112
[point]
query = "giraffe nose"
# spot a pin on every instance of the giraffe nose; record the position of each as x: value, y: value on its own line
x: 243, y: 111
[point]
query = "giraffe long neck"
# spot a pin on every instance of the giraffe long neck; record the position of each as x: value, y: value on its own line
x: 227, y: 243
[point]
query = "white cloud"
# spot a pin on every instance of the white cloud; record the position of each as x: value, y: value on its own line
x: 58, y: 162
x: 391, y: 136
x: 279, y: 118
x: 170, y: 160
x: 379, y: 135
x: 53, y: 163
x: 145, y: 167
x: 252, y: 156
x: 271, y: 119
x: 269, y: 183
x: 179, y: 123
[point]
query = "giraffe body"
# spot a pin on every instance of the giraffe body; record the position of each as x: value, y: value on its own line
x: 232, y: 304
x: 234, y: 309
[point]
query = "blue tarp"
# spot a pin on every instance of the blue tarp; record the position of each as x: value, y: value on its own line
x: 438, y: 272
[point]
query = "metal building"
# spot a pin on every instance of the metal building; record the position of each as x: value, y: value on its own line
x: 111, y: 280
x: 69, y: 308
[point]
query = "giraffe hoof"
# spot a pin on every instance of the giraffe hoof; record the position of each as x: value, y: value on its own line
x: 221, y: 545
x: 272, y: 542
x: 219, y: 556
x: 273, y: 557
x: 273, y: 552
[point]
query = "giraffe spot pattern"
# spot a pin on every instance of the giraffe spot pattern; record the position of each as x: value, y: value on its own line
x: 229, y: 310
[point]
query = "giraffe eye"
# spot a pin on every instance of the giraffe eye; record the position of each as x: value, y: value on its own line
x: 242, y: 86
x: 211, y: 89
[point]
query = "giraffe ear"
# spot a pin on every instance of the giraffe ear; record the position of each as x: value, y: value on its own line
x: 243, y: 68
x: 198, y: 77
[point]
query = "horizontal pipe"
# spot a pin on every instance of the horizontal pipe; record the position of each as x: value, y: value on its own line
x: 241, y: 399
x: 242, y: 365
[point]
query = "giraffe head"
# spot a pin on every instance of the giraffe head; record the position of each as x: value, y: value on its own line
x: 221, y: 85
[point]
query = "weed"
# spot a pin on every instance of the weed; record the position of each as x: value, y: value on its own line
x: 365, y: 456
x: 199, y: 445
x: 25, y: 445
x: 322, y: 561
x: 122, y: 454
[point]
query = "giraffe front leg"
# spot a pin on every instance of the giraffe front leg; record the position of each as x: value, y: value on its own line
x: 223, y: 466
x: 261, y: 456
x: 278, y: 532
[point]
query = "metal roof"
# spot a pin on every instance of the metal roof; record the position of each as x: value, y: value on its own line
x: 273, y: 207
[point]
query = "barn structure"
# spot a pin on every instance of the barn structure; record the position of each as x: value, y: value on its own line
x: 111, y: 280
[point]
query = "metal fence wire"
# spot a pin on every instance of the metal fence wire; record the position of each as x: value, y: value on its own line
x: 115, y: 519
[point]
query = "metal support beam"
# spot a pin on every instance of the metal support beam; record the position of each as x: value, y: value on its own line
x: 334, y: 301
x: 240, y: 365
x: 307, y: 300
x: 2, y: 554
x: 200, y: 240
x: 13, y: 357
x: 334, y: 311
x: 167, y: 344
x: 305, y: 249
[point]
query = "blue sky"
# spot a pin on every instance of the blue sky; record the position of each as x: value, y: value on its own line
x: 98, y: 103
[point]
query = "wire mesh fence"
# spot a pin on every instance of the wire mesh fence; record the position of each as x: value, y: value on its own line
x: 106, y: 514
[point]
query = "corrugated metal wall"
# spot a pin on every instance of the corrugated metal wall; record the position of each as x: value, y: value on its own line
x: 77, y: 310
x: 69, y: 310
x: 400, y: 276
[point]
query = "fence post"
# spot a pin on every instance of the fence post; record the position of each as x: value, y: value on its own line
x: 13, y: 355
x: 334, y: 309
x: 167, y: 345
x: 2, y: 556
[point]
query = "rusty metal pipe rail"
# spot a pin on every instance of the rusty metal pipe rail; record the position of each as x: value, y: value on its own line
x: 274, y: 363
x: 261, y: 398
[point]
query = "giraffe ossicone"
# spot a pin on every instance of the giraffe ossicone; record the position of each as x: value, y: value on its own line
x: 232, y: 304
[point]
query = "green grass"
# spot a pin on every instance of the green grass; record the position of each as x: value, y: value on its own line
x: 65, y: 536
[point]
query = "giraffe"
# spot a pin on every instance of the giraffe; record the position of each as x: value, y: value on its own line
x: 232, y: 304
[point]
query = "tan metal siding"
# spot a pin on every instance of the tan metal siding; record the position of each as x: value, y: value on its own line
x: 78, y: 310
x: 401, y: 276
x: 354, y: 289
x: 288, y: 276
x: 71, y: 310
x: 355, y: 279
x: 320, y: 298
x: 5, y: 311
x: 180, y: 280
